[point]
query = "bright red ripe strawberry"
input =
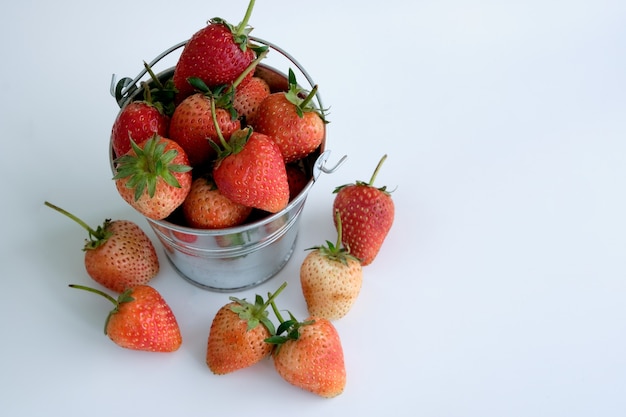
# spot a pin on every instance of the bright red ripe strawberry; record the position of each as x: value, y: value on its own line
x: 141, y: 320
x: 118, y: 254
x: 206, y: 208
x: 297, y: 127
x: 154, y: 177
x: 248, y: 98
x: 297, y: 179
x: 139, y: 120
x: 367, y: 214
x: 217, y: 54
x: 310, y: 356
x: 238, y: 333
x: 192, y: 127
x: 331, y: 279
x: 251, y: 171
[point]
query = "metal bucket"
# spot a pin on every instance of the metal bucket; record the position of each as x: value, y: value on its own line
x: 241, y: 257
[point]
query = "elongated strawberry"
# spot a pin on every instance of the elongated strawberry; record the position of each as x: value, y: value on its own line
x: 140, y: 320
x: 331, y: 279
x: 118, y: 254
x: 238, y: 333
x: 154, y: 177
x: 205, y: 207
x: 289, y: 118
x: 309, y: 355
x: 367, y: 214
x: 217, y: 54
x: 250, y: 170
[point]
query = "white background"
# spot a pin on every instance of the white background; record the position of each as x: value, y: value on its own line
x: 500, y: 289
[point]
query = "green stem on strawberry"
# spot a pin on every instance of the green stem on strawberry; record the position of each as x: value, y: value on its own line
x: 380, y: 163
x: 309, y: 97
x: 248, y: 69
x: 124, y: 297
x: 241, y: 28
x: 256, y: 313
x: 97, y: 237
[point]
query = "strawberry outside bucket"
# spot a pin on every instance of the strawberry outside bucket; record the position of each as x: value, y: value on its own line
x: 244, y: 256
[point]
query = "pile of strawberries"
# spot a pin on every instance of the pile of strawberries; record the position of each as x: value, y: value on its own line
x: 232, y: 144
x: 216, y: 134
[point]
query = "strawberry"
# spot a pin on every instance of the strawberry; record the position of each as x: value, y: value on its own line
x: 249, y: 96
x: 310, y: 356
x: 238, y: 333
x: 140, y: 320
x: 139, y: 120
x: 367, y: 214
x: 297, y: 127
x: 217, y: 54
x: 206, y: 208
x: 192, y: 126
x: 250, y: 170
x: 296, y: 178
x: 331, y: 279
x: 154, y: 177
x: 118, y: 254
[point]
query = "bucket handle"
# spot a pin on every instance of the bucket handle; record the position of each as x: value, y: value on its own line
x: 321, y: 164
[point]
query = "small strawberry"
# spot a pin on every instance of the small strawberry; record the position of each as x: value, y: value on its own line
x: 248, y: 98
x: 238, y: 333
x: 297, y: 127
x: 118, y: 254
x: 250, y: 170
x: 154, y: 177
x: 310, y: 356
x: 367, y: 214
x: 331, y: 279
x: 192, y: 125
x: 141, y: 320
x: 296, y: 178
x: 206, y: 208
x: 217, y: 54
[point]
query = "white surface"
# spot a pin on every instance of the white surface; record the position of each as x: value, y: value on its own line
x: 500, y: 289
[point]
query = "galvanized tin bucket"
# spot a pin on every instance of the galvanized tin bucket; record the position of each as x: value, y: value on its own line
x: 241, y: 257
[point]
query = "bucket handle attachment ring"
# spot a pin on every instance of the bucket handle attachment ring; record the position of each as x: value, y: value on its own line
x: 321, y: 164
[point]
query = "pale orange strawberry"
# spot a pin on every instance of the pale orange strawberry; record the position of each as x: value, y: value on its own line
x: 118, y: 254
x: 141, y: 320
x: 310, y: 356
x: 367, y: 214
x: 331, y: 279
x: 205, y: 207
x: 249, y: 96
x: 238, y: 333
x: 154, y: 177
x: 295, y: 125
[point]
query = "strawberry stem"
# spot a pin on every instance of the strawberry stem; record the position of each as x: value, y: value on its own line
x: 339, y: 228
x: 124, y: 297
x: 308, y: 98
x: 248, y: 69
x: 241, y: 28
x: 217, y: 126
x: 380, y: 163
x: 96, y: 237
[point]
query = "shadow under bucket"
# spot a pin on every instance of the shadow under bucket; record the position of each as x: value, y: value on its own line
x: 241, y: 257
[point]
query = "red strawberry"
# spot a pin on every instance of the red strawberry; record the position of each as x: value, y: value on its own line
x: 310, y: 356
x: 139, y: 120
x: 217, y: 53
x: 331, y: 279
x: 297, y: 127
x: 154, y: 177
x: 206, y: 208
x: 238, y: 333
x: 297, y: 179
x: 367, y: 214
x: 118, y: 254
x: 192, y: 127
x: 141, y: 320
x: 249, y: 96
x: 251, y: 171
